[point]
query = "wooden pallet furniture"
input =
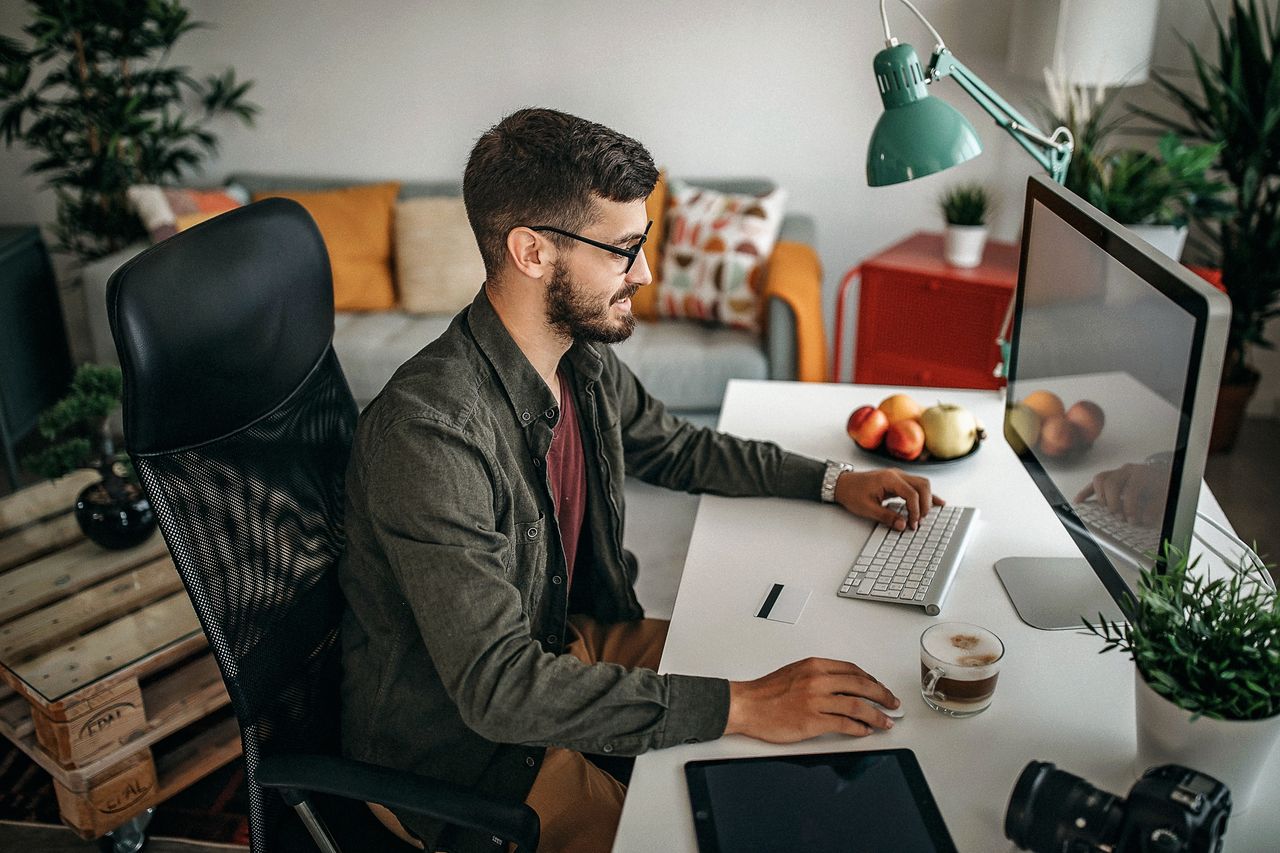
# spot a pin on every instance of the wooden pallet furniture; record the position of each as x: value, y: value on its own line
x: 108, y: 681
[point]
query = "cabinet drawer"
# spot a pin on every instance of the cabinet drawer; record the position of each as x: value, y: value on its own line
x: 928, y: 330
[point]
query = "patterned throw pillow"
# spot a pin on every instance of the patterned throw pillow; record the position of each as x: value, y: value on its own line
x: 165, y: 211
x: 717, y: 246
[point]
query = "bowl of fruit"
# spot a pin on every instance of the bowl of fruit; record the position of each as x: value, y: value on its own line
x: 1041, y: 422
x: 900, y: 430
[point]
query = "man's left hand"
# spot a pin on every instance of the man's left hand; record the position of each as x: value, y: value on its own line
x: 864, y: 493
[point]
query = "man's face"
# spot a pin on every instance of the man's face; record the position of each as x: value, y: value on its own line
x: 589, y: 292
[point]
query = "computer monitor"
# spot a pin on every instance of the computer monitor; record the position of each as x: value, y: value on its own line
x: 1131, y: 341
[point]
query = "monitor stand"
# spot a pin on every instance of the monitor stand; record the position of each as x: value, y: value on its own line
x: 1056, y: 593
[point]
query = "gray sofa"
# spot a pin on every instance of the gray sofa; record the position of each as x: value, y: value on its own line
x: 685, y: 364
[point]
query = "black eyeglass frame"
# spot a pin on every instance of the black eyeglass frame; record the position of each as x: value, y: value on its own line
x: 629, y: 254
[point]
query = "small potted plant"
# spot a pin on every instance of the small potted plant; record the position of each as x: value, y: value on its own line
x: 1156, y: 193
x: 112, y: 512
x: 1207, y: 669
x: 965, y: 208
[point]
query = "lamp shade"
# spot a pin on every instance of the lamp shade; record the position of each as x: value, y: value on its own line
x: 916, y: 135
x: 1084, y: 42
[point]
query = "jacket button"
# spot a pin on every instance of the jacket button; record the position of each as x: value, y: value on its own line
x: 532, y: 533
x: 525, y: 417
x: 551, y: 639
x: 550, y: 413
x: 529, y: 761
x: 557, y: 580
x: 608, y: 747
x: 537, y: 462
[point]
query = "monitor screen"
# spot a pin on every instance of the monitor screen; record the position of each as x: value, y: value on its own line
x: 1105, y: 403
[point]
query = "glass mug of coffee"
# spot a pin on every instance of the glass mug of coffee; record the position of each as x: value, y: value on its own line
x: 959, y: 667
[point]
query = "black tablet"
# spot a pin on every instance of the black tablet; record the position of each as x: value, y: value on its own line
x: 854, y: 802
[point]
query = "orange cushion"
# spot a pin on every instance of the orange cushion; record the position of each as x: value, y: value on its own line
x: 645, y: 303
x: 356, y: 223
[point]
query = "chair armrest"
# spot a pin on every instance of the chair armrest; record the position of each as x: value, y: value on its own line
x: 796, y: 332
x: 294, y: 775
x: 94, y: 277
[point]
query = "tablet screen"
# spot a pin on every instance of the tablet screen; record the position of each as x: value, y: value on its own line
x: 869, y: 802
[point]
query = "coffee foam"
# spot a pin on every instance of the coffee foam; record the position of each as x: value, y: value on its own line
x: 968, y: 652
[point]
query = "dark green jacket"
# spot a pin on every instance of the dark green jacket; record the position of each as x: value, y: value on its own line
x: 454, y: 635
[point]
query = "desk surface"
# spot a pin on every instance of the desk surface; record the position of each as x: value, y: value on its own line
x: 1058, y: 700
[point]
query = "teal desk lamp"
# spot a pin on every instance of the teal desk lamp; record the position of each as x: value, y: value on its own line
x: 918, y: 135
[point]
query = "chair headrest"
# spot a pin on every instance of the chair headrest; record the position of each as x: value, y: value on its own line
x: 217, y: 325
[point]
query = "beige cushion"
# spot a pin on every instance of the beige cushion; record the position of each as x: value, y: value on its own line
x: 438, y: 266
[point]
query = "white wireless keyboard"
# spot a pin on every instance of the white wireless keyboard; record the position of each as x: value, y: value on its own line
x: 912, y: 566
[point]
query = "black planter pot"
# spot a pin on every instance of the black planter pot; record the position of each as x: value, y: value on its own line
x: 115, y: 523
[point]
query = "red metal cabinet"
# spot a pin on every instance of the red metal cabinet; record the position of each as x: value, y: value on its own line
x: 921, y: 322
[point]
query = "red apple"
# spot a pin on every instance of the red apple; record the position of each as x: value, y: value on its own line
x: 905, y: 439
x: 1059, y: 436
x: 867, y: 426
x: 1088, y: 418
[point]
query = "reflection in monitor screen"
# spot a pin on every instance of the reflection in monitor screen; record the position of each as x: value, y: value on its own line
x: 1113, y: 374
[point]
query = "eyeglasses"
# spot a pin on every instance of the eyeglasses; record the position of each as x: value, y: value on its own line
x: 630, y: 253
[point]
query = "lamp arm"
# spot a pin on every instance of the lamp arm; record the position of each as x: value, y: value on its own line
x: 1053, y: 153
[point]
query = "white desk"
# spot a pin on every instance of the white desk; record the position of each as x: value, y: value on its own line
x: 1058, y: 700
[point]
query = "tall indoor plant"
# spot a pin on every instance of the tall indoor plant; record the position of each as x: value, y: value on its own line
x: 1235, y: 102
x: 1207, y: 669
x: 94, y: 95
x: 1156, y: 193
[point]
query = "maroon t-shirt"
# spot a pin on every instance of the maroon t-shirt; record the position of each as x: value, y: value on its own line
x: 567, y: 473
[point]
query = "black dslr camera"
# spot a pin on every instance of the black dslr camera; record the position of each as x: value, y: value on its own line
x: 1171, y: 808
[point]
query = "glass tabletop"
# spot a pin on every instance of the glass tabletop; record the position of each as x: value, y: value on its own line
x: 74, y: 615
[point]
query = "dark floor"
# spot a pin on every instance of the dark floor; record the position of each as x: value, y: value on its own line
x: 1246, y: 482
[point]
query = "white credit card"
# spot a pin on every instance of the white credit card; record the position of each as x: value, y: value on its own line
x: 783, y: 602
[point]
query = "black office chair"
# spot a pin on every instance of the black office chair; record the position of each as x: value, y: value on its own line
x: 239, y: 422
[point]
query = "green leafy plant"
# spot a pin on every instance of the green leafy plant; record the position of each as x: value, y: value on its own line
x: 78, y: 433
x: 1086, y: 111
x: 1166, y: 187
x: 1212, y: 647
x: 1235, y: 103
x: 93, y: 94
x: 966, y: 204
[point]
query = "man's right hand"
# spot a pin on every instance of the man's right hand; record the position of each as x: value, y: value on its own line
x: 808, y: 698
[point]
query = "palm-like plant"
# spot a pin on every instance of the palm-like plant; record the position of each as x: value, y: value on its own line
x: 92, y: 93
x: 1237, y: 105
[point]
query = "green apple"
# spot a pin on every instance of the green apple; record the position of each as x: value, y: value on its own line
x: 949, y: 430
x: 1022, y: 428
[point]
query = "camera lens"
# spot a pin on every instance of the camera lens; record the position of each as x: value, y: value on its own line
x: 1051, y: 810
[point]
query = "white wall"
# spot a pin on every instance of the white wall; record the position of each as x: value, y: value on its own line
x: 395, y: 88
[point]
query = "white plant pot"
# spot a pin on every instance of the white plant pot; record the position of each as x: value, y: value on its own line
x: 963, y: 245
x: 1232, y: 751
x: 1167, y: 238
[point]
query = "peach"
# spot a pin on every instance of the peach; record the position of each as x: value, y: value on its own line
x: 1046, y: 404
x: 1058, y: 436
x: 867, y: 426
x: 900, y: 407
x: 1088, y: 418
x: 905, y: 439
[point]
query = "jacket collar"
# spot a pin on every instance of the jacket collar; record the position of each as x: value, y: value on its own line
x: 529, y: 396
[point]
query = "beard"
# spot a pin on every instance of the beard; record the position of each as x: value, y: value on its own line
x: 581, y: 317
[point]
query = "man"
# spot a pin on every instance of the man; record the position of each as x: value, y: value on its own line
x: 485, y: 506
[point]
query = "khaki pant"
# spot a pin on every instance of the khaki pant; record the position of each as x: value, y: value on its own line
x: 578, y: 804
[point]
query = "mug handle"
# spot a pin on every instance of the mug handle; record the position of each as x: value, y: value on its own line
x: 929, y: 688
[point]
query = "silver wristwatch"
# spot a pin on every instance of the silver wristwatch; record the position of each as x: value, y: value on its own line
x: 829, y: 478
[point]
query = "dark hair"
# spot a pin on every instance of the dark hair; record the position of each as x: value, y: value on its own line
x: 543, y: 167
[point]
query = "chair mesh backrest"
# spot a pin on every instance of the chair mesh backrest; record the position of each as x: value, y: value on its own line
x: 254, y: 521
x: 239, y: 423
